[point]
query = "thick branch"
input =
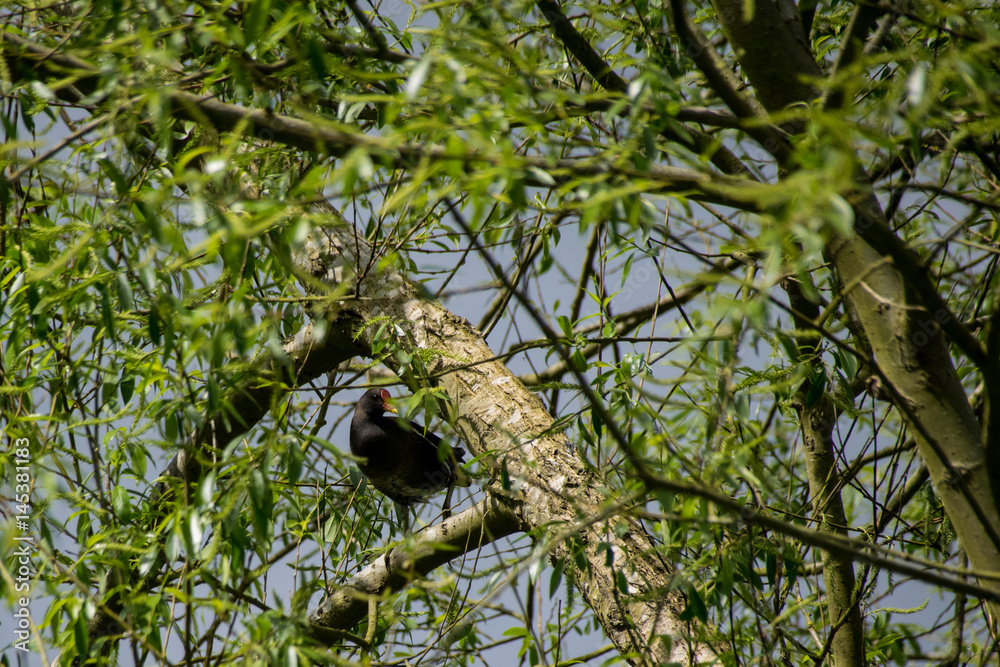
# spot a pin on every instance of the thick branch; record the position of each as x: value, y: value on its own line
x: 863, y: 20
x: 772, y: 52
x: 727, y: 86
x: 345, y: 606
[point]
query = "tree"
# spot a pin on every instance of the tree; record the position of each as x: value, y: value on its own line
x: 733, y: 389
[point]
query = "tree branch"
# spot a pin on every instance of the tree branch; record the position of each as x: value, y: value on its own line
x: 632, y: 320
x: 727, y: 86
x: 267, y: 126
x: 346, y: 605
x: 608, y: 79
x: 817, y: 420
x: 852, y: 45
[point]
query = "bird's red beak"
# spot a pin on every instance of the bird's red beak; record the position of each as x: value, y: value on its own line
x: 385, y: 402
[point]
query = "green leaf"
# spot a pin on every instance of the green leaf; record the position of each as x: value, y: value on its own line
x: 555, y: 579
x: 127, y: 388
x: 125, y: 301
x: 542, y: 176
x: 621, y: 582
x: 817, y: 386
x: 259, y: 492
x: 147, y: 560
x: 316, y: 56
x: 256, y: 19
x: 155, y: 335
x: 106, y: 313
x: 789, y: 345
x: 596, y: 422
x: 170, y: 426
x: 206, y: 489
x: 121, y: 503
x: 115, y: 175
x: 724, y: 580
x: 696, y: 608
x: 212, y: 387
x: 357, y: 479
x: 578, y: 362
x: 193, y: 532
x: 108, y: 391
x: 417, y: 76
x: 293, y: 463
x: 137, y: 459
x: 565, y: 325
x: 81, y: 640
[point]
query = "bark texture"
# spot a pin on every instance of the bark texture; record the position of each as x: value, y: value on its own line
x: 927, y: 390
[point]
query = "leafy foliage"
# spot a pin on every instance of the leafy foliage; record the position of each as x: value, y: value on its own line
x: 147, y: 273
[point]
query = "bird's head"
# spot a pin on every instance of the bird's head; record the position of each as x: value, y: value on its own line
x: 376, y: 402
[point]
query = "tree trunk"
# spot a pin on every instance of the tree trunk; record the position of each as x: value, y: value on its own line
x: 817, y: 419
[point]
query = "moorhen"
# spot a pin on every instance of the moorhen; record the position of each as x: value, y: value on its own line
x: 401, y: 459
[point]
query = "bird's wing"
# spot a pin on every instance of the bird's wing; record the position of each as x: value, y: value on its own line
x: 425, y: 433
x: 424, y: 437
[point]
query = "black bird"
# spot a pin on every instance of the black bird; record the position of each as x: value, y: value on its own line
x: 401, y: 459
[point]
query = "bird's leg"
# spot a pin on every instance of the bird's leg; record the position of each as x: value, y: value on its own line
x: 446, y: 507
x: 403, y: 513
